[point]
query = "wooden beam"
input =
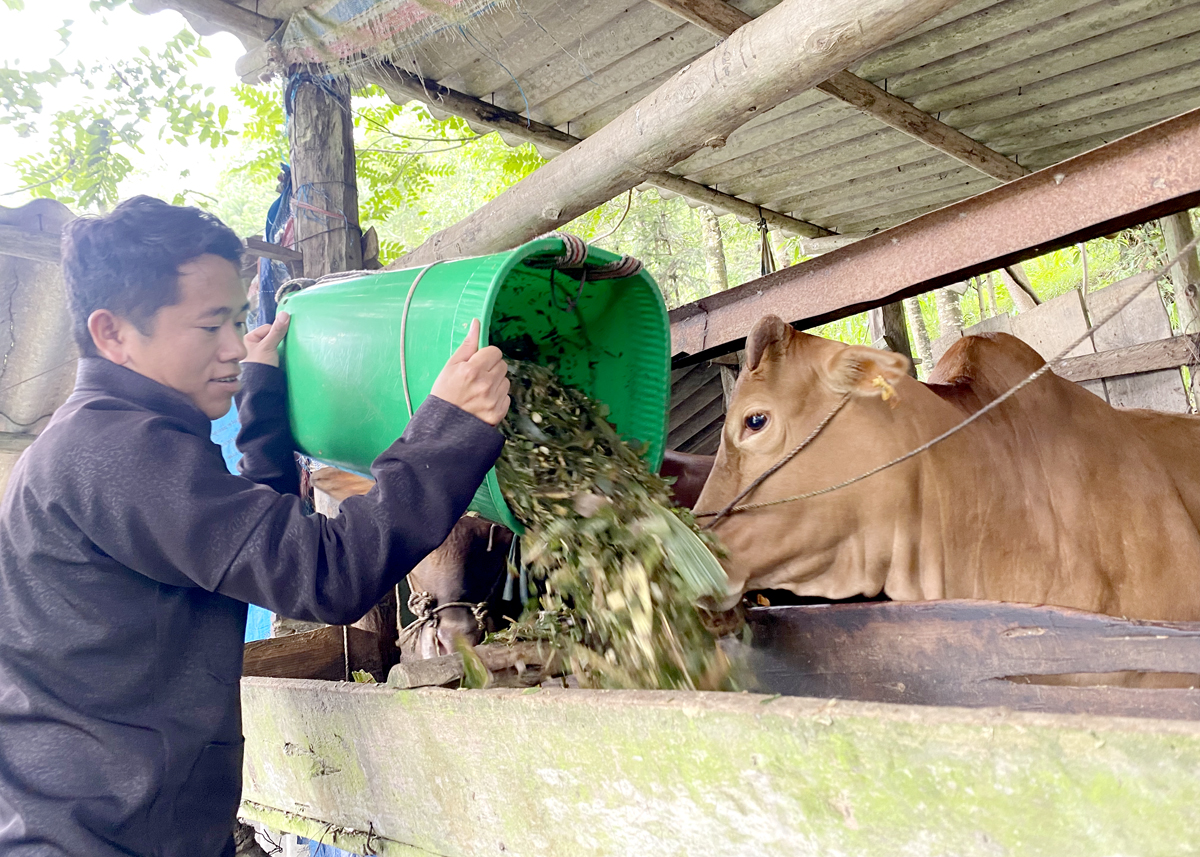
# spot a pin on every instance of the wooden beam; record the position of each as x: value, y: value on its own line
x: 327, y: 653
x: 228, y: 16
x: 721, y: 19
x: 680, y: 773
x: 402, y: 86
x: 789, y: 49
x: 1146, y: 175
x: 38, y: 246
x: 1133, y: 359
x: 966, y: 653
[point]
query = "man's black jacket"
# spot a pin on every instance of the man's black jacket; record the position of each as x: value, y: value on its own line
x: 127, y: 555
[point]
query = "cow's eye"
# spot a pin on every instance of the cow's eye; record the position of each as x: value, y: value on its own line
x: 756, y: 422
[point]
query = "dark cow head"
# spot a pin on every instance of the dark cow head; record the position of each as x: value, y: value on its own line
x: 457, y: 591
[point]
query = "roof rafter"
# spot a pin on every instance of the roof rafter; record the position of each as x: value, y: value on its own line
x: 722, y: 19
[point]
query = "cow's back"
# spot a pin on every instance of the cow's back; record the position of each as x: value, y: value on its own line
x: 1115, y: 494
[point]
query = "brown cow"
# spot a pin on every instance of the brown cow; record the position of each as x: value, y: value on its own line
x: 1055, y: 497
x: 690, y: 472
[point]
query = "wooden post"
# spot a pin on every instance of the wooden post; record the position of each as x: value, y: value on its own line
x: 325, y: 194
x: 920, y: 333
x: 788, y: 50
x: 888, y: 330
x: 1185, y: 277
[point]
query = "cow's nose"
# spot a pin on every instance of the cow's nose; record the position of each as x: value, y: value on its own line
x: 454, y: 623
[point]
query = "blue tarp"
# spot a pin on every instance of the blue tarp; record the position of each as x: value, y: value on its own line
x: 224, y: 433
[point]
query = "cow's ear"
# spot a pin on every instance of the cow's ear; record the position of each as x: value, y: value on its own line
x: 769, y: 330
x: 865, y: 371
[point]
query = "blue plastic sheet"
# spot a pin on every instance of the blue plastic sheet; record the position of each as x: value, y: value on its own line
x: 224, y: 433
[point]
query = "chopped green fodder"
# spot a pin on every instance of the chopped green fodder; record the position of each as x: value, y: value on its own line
x: 619, y: 569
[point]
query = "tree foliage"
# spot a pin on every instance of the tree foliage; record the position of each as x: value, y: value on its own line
x: 90, y: 145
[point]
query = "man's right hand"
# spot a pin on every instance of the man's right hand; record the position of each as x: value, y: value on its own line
x: 475, y: 379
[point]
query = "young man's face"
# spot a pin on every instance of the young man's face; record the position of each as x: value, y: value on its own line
x: 195, y: 345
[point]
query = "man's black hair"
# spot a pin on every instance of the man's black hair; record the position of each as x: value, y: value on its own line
x: 127, y: 261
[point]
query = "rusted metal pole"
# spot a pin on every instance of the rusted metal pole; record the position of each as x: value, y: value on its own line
x: 1149, y: 174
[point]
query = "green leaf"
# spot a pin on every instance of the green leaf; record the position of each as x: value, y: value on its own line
x: 223, y: 114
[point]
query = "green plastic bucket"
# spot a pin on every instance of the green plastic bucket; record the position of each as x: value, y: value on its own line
x: 342, y: 353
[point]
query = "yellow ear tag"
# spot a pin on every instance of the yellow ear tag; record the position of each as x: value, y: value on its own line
x: 888, y: 390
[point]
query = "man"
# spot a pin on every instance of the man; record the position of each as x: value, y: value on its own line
x: 128, y: 552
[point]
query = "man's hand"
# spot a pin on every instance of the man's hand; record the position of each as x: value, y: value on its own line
x: 475, y: 379
x: 262, y: 343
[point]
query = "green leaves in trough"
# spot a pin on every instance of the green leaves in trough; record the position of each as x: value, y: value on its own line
x: 620, y: 571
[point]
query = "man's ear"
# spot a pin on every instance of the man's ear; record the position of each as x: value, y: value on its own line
x: 769, y: 331
x: 865, y: 371
x: 110, y: 336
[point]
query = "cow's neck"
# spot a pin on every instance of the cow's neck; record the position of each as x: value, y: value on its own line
x: 946, y: 500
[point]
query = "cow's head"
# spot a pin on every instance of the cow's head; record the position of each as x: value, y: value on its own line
x: 468, y: 568
x: 789, y: 383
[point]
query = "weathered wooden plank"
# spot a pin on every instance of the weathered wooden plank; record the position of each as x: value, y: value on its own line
x: 1133, y: 359
x: 696, y: 426
x: 37, y: 246
x: 576, y: 772
x: 707, y: 442
x: 1054, y: 325
x: 695, y: 403
x: 1144, y: 320
x: 902, y: 116
x: 326, y: 653
x: 976, y: 653
x: 755, y: 69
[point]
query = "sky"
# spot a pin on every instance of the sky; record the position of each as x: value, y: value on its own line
x: 28, y: 38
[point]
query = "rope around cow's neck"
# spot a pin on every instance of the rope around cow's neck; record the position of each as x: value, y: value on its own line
x: 421, y: 605
x: 1151, y: 278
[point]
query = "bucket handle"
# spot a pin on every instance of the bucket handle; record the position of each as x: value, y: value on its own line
x: 403, y: 330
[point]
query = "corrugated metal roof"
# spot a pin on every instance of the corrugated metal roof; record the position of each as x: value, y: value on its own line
x: 1036, y: 80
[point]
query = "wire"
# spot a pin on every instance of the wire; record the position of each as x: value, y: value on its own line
x: 628, y: 205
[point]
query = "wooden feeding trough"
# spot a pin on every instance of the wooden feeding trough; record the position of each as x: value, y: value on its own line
x: 959, y: 759
x: 903, y: 131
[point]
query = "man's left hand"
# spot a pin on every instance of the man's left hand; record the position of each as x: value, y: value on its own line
x: 262, y: 343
